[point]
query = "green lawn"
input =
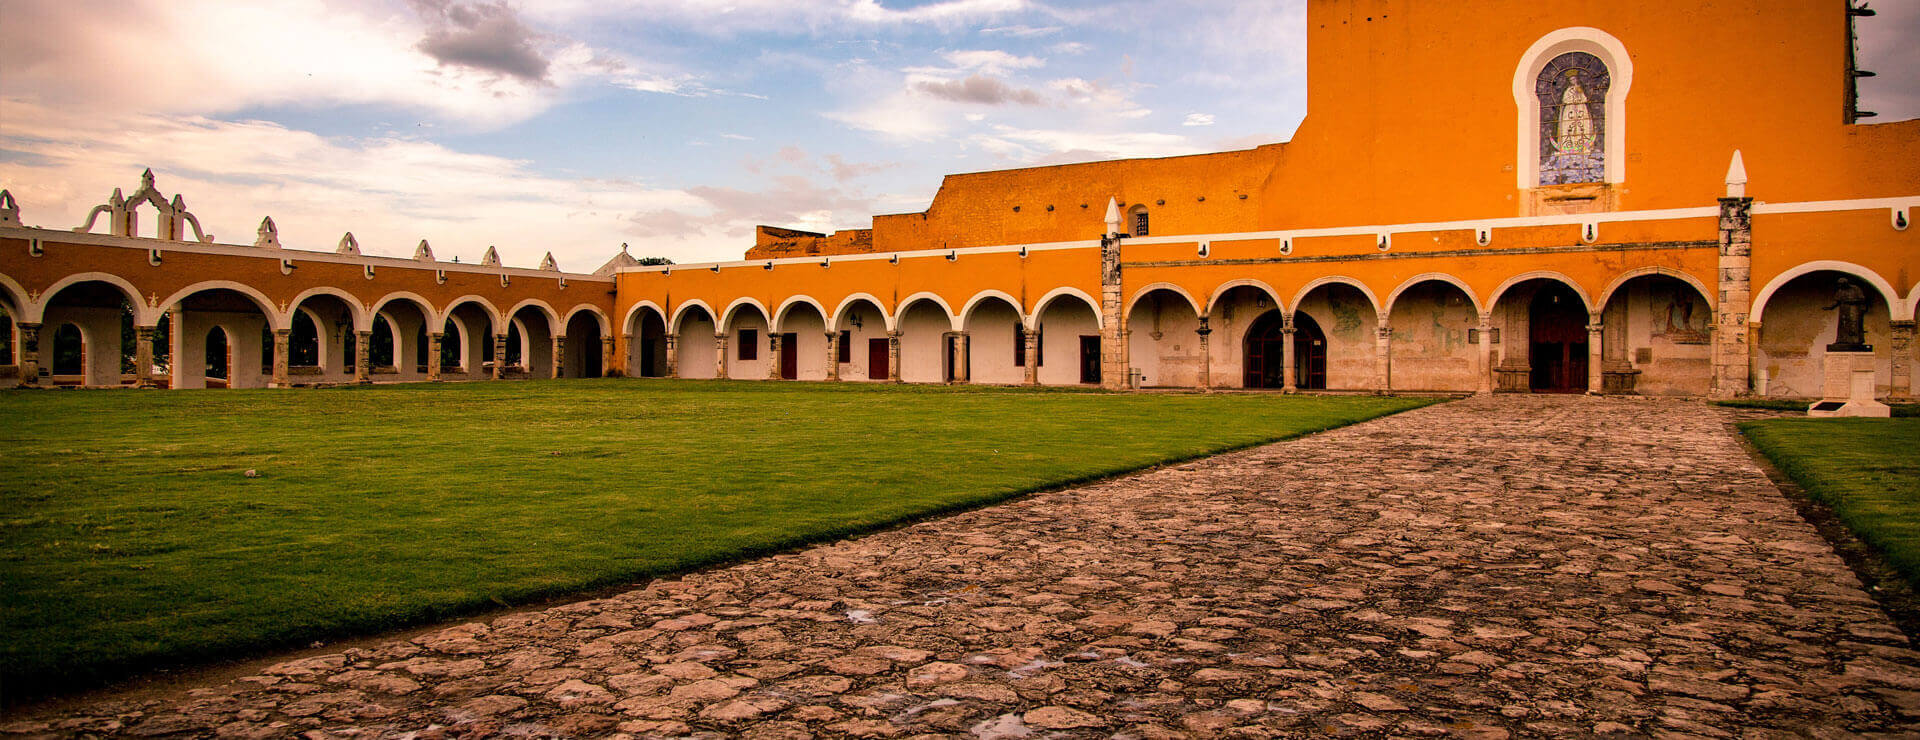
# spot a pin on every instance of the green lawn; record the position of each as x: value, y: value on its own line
x: 1868, y: 470
x: 132, y: 538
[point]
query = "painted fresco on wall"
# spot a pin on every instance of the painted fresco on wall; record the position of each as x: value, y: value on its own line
x: 1682, y: 317
x: 1573, y: 119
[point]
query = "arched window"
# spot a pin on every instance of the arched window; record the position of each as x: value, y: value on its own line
x: 1137, y: 221
x: 1572, y: 90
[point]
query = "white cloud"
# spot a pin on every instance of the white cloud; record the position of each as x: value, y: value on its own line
x: 739, y: 16
x: 990, y: 61
x: 1049, y: 144
x: 1198, y: 119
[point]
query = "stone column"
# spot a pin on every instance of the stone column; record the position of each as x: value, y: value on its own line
x: 1383, y: 358
x: 893, y: 357
x: 143, y: 356
x: 1289, y: 372
x: 1596, y: 338
x: 559, y: 356
x: 774, y: 345
x: 962, y: 359
x: 833, y: 355
x: 1032, y: 342
x: 1901, y: 385
x: 1731, y: 368
x: 362, y: 364
x: 1486, y: 354
x: 434, y: 340
x: 673, y: 355
x: 499, y: 354
x: 1206, y: 355
x: 719, y: 356
x: 282, y: 346
x: 606, y: 357
x: 29, y: 353
x: 1114, y: 370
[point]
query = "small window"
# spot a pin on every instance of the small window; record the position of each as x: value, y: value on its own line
x: 846, y: 347
x: 749, y: 344
x: 1140, y: 222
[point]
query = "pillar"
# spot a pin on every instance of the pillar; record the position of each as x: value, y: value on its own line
x: 893, y: 357
x: 1596, y: 337
x: 673, y: 355
x: 1032, y: 341
x: 1731, y: 366
x: 1289, y: 371
x: 1901, y: 385
x: 833, y: 355
x: 774, y: 342
x: 362, y: 366
x: 434, y: 339
x: 29, y: 353
x: 143, y: 356
x: 559, y: 355
x: 1486, y: 353
x: 282, y: 347
x: 499, y: 354
x: 1114, y: 371
x: 1206, y: 355
x: 962, y: 358
x: 606, y: 356
x: 1383, y: 358
x: 719, y: 356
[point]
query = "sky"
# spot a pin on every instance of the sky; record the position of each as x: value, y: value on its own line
x: 675, y: 126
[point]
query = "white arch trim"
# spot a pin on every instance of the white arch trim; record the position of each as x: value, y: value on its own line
x: 1144, y: 290
x: 1306, y: 290
x: 1620, y: 74
x: 1606, y: 296
x: 1913, y: 301
x: 275, y: 319
x: 908, y: 302
x: 494, y: 317
x: 780, y: 314
x: 552, y: 316
x: 966, y: 309
x: 680, y: 312
x: 16, y: 295
x: 726, y: 317
x: 1585, y: 300
x: 606, y: 330
x: 143, y: 314
x: 840, y: 311
x: 1040, y: 306
x: 1895, y: 306
x: 1221, y: 292
x: 633, y: 313
x: 1438, y: 277
x: 434, y: 322
x: 362, y: 318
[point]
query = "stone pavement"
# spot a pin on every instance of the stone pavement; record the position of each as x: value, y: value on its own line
x: 1493, y: 566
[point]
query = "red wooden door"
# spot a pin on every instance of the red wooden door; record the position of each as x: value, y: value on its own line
x: 877, y: 359
x: 790, y: 356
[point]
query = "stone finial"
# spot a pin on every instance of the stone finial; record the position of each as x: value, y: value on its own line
x: 1113, y: 216
x: 117, y: 200
x: 179, y: 204
x: 348, y: 245
x: 491, y: 258
x: 9, y: 209
x: 269, y: 234
x: 547, y: 263
x: 1737, y: 176
x: 146, y: 179
x: 424, y: 252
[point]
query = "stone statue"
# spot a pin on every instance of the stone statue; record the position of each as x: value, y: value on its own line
x: 1851, y: 336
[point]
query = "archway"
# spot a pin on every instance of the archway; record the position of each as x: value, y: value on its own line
x: 803, y: 342
x: 466, y: 342
x: 1265, y: 351
x: 1431, y: 321
x: 584, y: 350
x: 861, y: 350
x: 102, y: 342
x: 1656, y: 337
x: 530, y: 342
x: 693, y: 351
x: 399, y: 345
x: 244, y: 327
x: 647, y: 343
x: 1309, y: 353
x: 1069, y: 331
x: 1556, y: 341
x: 1796, y: 326
x: 1342, y: 319
x: 324, y: 346
x: 994, y: 334
x: 1234, y: 311
x: 1163, y: 346
x: 925, y: 353
x: 747, y: 343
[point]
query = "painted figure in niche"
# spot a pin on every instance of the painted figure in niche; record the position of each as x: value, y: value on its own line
x: 1851, y: 334
x: 1686, y: 322
x: 1572, y: 90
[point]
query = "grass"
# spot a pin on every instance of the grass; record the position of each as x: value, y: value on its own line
x: 130, y: 536
x: 1865, y: 469
x: 1900, y: 410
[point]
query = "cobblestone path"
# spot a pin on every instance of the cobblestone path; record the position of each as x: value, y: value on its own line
x: 1494, y: 566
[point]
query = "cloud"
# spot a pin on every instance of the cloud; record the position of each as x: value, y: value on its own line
x: 483, y: 36
x: 990, y: 61
x: 1052, y: 146
x: 783, y: 16
x: 978, y: 90
x: 1198, y: 119
x: 1021, y: 32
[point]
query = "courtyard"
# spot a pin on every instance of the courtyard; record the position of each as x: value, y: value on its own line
x: 1490, y: 566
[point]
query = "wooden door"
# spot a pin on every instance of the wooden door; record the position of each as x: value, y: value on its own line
x: 1265, y: 352
x: 1309, y: 353
x: 1090, y: 359
x: 877, y: 359
x: 790, y: 356
x: 1557, y: 347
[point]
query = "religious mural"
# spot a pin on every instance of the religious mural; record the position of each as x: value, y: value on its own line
x: 1684, y: 316
x: 1573, y: 119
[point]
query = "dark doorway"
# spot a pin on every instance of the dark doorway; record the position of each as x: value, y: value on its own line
x: 1309, y: 353
x: 653, y: 345
x: 1265, y: 352
x: 219, y: 360
x: 69, y: 351
x: 790, y: 356
x: 1090, y: 359
x: 877, y: 359
x: 1558, y: 348
x: 946, y: 361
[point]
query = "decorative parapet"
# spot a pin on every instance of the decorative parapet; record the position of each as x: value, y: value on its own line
x: 124, y: 218
x: 348, y: 245
x: 424, y: 252
x: 269, y: 234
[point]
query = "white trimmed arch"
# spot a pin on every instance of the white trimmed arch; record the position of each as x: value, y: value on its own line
x: 1436, y: 277
x: 1913, y: 301
x: 1620, y: 75
x: 1606, y: 296
x: 598, y: 315
x: 1040, y: 306
x: 143, y: 314
x: 726, y: 317
x: 495, y: 320
x: 966, y: 309
x: 633, y: 314
x: 275, y: 319
x: 1307, y: 290
x: 1224, y: 288
x: 434, y: 319
x: 680, y: 312
x: 362, y: 318
x: 906, y: 303
x: 1170, y: 287
x: 1895, y: 306
x: 1585, y: 300
x: 552, y: 316
x: 16, y: 295
x: 848, y: 302
x: 780, y: 314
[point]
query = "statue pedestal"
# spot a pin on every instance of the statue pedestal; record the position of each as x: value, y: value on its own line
x: 1848, y: 390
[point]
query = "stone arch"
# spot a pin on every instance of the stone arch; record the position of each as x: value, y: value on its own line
x: 840, y: 311
x: 725, y: 318
x: 680, y: 312
x: 1435, y: 277
x: 906, y: 303
x: 1619, y: 64
x: 1606, y: 296
x: 1162, y: 322
x: 1300, y: 296
x: 1895, y: 305
x: 1221, y: 291
x: 645, y: 347
x: 275, y: 318
x: 1064, y: 291
x: 1585, y: 299
x: 546, y: 310
x: 633, y: 313
x: 966, y: 309
x: 1170, y: 287
x: 419, y: 301
x: 494, y: 317
x: 15, y: 296
x: 362, y: 318
x: 780, y: 314
x: 606, y: 328
x: 143, y: 314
